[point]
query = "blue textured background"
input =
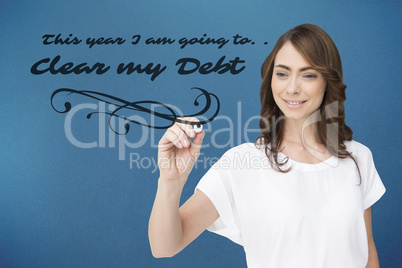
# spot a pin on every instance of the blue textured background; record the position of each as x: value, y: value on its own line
x: 63, y: 206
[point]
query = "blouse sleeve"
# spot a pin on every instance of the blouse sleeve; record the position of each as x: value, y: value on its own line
x: 373, y: 187
x: 216, y: 185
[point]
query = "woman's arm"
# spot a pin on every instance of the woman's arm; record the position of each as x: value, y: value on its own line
x: 373, y: 257
x: 171, y: 229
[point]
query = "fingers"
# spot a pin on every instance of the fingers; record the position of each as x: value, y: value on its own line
x: 197, y: 143
x: 195, y: 146
x: 178, y: 137
x: 180, y: 134
x: 187, y: 128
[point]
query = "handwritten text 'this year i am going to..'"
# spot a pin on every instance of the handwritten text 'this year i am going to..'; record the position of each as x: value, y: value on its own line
x: 185, y: 65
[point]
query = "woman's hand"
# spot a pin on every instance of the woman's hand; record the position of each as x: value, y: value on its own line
x: 176, y: 153
x: 172, y: 228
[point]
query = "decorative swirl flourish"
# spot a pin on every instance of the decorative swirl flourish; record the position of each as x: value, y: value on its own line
x: 122, y: 104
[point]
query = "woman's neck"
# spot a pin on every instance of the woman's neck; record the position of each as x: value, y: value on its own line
x: 302, y: 132
x: 301, y: 140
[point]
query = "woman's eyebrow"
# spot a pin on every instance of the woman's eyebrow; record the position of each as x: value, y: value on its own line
x: 288, y: 68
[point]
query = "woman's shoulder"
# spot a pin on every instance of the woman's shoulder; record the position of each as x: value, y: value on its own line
x: 357, y: 149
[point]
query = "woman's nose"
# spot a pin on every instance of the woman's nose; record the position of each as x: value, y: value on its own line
x: 293, y: 86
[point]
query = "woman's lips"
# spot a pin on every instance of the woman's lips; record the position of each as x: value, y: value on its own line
x: 294, y: 103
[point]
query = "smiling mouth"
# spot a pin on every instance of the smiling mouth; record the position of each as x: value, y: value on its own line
x: 294, y: 102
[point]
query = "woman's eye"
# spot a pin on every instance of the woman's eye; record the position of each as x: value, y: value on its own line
x: 310, y: 76
x: 281, y: 75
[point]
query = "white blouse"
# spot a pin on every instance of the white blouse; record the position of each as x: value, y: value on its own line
x: 310, y: 217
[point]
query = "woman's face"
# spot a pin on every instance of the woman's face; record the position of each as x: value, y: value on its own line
x: 297, y: 88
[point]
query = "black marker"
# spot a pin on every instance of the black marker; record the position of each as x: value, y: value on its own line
x: 197, y: 128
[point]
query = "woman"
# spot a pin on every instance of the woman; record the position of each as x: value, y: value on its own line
x: 301, y: 195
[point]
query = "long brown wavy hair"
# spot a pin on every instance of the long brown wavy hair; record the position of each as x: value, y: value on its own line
x: 321, y: 53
